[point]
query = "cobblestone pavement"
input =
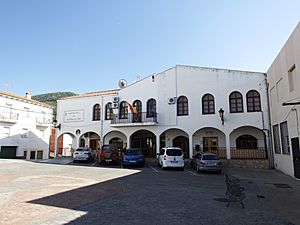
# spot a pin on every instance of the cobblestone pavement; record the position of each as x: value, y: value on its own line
x: 40, y: 193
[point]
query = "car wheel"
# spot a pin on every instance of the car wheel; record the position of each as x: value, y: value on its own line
x: 162, y: 167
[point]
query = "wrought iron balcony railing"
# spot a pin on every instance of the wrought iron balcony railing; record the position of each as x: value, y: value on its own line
x: 9, y: 117
x: 41, y: 121
x: 237, y: 153
x: 135, y: 119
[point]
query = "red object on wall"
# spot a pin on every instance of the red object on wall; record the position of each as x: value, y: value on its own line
x: 52, y: 143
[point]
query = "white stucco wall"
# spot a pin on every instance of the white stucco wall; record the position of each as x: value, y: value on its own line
x: 192, y: 82
x: 38, y: 134
x: 279, y: 92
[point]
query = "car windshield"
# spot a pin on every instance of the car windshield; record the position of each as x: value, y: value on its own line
x: 174, y: 152
x: 209, y: 157
x: 133, y: 151
x: 81, y: 149
x: 108, y: 148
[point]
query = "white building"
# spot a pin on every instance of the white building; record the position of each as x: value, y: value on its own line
x: 284, y: 92
x: 25, y: 126
x: 177, y: 107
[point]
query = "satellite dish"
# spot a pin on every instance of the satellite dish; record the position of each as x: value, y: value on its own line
x: 122, y: 83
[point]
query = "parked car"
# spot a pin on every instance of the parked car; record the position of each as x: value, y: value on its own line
x: 109, y: 154
x: 194, y: 159
x: 171, y: 157
x: 83, y: 154
x: 208, y: 162
x: 133, y: 156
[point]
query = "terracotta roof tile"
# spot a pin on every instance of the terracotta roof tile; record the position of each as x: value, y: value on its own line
x: 92, y: 94
x: 25, y: 99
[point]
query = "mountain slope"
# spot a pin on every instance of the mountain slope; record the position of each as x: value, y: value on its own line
x: 50, y: 98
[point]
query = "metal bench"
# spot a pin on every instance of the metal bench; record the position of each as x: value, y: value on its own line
x: 234, y: 190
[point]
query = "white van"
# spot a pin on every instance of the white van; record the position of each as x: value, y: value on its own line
x: 171, y: 157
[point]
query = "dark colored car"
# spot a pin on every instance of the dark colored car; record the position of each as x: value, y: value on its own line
x: 108, y: 154
x: 133, y: 156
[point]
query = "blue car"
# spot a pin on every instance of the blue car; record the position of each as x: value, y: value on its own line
x: 133, y: 156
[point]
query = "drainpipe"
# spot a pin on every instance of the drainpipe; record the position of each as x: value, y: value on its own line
x: 176, y: 95
x: 269, y: 133
x: 101, y: 124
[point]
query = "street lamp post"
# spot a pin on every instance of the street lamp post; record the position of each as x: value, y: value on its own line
x: 221, y: 114
x: 57, y: 127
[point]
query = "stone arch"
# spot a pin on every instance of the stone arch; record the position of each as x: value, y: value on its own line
x: 175, y: 136
x: 115, y: 137
x: 90, y: 140
x: 146, y: 140
x: 66, y: 144
x: 209, y: 139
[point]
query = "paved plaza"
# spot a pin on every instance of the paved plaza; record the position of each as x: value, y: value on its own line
x: 46, y: 193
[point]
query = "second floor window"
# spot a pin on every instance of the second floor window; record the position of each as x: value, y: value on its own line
x: 208, y: 104
x: 151, y: 108
x: 253, y: 101
x: 182, y: 106
x: 236, y: 102
x: 123, y: 113
x: 96, y: 112
x: 108, y: 111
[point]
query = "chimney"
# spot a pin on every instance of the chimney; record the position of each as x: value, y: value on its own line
x: 28, y: 95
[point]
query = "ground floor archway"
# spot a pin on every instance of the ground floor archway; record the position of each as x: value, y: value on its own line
x: 145, y: 140
x: 66, y: 144
x: 90, y: 140
x: 183, y: 143
x: 175, y: 138
x: 115, y: 138
x: 248, y: 143
x: 210, y: 139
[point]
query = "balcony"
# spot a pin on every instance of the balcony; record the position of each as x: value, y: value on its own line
x: 42, y: 122
x: 9, y: 117
x: 136, y: 119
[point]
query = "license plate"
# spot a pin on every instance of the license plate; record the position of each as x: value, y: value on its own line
x: 174, y: 161
x: 108, y: 160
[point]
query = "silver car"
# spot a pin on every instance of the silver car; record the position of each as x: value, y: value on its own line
x: 83, y: 154
x: 208, y: 162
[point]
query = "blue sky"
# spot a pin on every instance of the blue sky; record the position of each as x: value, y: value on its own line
x: 89, y: 45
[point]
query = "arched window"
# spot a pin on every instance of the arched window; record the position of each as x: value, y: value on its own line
x: 182, y: 106
x: 253, y: 101
x: 108, y: 111
x: 137, y: 104
x: 123, y: 111
x: 246, y: 142
x: 208, y: 104
x: 137, y: 117
x: 151, y: 108
x: 96, y: 112
x: 82, y: 142
x: 236, y: 102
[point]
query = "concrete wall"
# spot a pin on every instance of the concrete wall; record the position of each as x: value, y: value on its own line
x: 280, y: 92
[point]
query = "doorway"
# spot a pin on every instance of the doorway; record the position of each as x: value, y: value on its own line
x: 183, y: 143
x: 296, y: 156
x: 210, y: 144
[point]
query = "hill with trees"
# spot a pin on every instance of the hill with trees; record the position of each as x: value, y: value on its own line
x: 50, y: 98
